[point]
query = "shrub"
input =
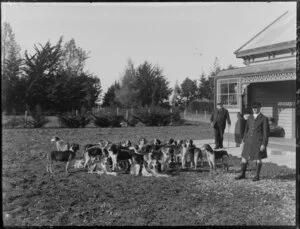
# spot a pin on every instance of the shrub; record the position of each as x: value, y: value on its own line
x: 132, y: 121
x: 108, y: 120
x: 39, y: 119
x: 176, y: 118
x: 156, y: 117
x: 14, y: 122
x: 73, y: 121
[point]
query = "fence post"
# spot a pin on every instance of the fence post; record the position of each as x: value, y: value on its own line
x: 184, y: 114
x: 205, y: 114
x: 118, y: 111
x: 171, y: 111
x: 76, y: 113
x: 25, y: 118
x: 126, y: 115
x: 196, y: 115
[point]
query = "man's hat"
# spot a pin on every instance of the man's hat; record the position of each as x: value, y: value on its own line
x: 219, y: 103
x: 256, y: 105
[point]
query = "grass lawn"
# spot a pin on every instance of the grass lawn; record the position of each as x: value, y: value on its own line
x: 33, y: 198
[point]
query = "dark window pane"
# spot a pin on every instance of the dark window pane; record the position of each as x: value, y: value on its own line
x: 232, y: 99
x: 233, y: 88
x: 224, y: 88
x: 224, y: 99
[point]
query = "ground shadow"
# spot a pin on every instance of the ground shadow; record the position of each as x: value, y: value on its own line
x: 291, y: 176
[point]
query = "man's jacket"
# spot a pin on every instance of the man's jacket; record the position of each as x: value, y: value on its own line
x: 219, y: 117
x: 256, y: 134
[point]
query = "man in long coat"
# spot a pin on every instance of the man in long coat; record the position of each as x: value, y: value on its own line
x: 255, y: 141
x: 218, y: 122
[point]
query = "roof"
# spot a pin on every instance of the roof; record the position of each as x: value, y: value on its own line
x: 284, y: 66
x: 282, y: 30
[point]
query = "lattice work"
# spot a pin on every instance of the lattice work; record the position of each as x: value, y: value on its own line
x: 269, y: 77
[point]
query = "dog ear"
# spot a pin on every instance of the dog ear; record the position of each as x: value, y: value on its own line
x: 208, y: 147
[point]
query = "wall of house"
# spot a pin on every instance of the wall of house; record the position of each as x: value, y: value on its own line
x: 278, y: 100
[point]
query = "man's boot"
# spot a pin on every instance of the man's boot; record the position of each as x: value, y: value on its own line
x: 258, y: 168
x: 243, y: 172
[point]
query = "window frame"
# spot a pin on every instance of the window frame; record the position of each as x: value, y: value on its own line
x: 238, y: 93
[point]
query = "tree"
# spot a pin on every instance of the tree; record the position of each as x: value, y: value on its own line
x: 73, y: 58
x: 151, y: 85
x: 38, y: 69
x: 205, y: 90
x: 176, y: 98
x: 127, y: 94
x: 110, y: 96
x: 10, y: 68
x: 9, y: 45
x: 216, y: 68
x: 144, y: 86
x: 230, y: 67
x: 188, y: 90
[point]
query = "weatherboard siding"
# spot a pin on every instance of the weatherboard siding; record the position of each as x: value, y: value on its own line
x: 278, y: 100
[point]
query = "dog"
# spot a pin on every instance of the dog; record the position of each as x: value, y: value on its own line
x: 167, y: 152
x: 137, y: 166
x: 101, y: 144
x: 91, y: 153
x: 214, y: 155
x: 100, y: 166
x: 152, y: 156
x: 175, y: 150
x: 142, y: 142
x: 191, y: 151
x: 79, y: 164
x: 62, y: 156
x: 120, y: 155
x: 60, y: 144
x: 126, y: 143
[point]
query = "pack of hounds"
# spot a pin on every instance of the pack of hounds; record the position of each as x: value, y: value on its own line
x: 141, y: 159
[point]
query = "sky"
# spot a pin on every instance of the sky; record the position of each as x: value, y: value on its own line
x: 181, y: 38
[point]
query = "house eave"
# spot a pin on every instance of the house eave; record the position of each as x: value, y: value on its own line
x: 267, y: 49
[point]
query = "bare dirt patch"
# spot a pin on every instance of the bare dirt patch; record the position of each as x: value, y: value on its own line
x: 33, y: 198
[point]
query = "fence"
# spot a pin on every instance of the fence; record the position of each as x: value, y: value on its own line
x: 202, y: 116
x: 22, y: 120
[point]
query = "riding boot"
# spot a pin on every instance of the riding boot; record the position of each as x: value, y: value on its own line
x: 258, y: 168
x: 243, y: 172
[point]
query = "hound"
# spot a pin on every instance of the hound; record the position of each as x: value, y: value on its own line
x: 91, y: 153
x: 79, y: 164
x: 214, y: 155
x: 191, y: 151
x: 100, y: 166
x: 151, y: 158
x: 63, y: 156
x: 60, y: 144
x: 119, y: 153
x: 176, y: 150
x: 101, y: 144
x: 142, y: 142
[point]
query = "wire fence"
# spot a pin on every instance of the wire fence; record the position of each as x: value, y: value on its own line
x: 22, y: 120
x: 202, y: 116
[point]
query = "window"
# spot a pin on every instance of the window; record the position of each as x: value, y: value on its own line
x: 228, y: 91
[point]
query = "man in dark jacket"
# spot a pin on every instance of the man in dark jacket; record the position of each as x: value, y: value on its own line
x: 255, y: 141
x: 218, y: 122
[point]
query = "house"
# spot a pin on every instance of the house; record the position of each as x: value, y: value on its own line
x: 269, y: 75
